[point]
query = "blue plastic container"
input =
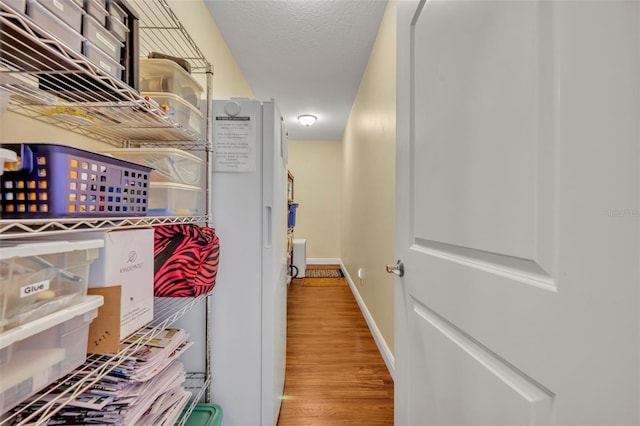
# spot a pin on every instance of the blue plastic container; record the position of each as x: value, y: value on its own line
x: 57, y: 181
x: 292, y: 214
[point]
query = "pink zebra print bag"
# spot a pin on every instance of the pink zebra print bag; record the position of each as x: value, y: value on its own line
x: 186, y: 260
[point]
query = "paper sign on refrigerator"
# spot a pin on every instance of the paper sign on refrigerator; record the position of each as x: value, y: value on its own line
x: 234, y: 144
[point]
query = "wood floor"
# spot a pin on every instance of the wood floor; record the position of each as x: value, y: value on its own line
x: 335, y: 373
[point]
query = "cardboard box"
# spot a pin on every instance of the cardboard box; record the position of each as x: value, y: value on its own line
x: 123, y: 272
x: 104, y: 331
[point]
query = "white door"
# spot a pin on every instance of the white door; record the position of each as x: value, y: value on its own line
x: 518, y: 213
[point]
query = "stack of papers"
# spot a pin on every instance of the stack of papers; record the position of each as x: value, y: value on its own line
x: 145, y: 388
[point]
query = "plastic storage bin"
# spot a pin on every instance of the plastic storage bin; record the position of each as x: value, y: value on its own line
x: 61, y: 181
x: 19, y: 6
x: 164, y: 75
x: 42, y: 277
x: 99, y: 36
x: 169, y: 164
x: 69, y: 36
x: 205, y: 415
x: 116, y: 12
x: 180, y: 111
x: 97, y: 9
x: 292, y: 215
x: 101, y: 59
x: 117, y: 28
x: 66, y: 10
x: 167, y: 198
x: 35, y: 354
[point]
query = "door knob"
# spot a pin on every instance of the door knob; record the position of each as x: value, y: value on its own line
x: 397, y: 269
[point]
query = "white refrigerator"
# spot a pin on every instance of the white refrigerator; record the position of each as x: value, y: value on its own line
x: 249, y: 304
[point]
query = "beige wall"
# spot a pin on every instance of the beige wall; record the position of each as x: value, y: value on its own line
x: 368, y: 203
x: 317, y: 170
x: 16, y: 128
x: 228, y: 80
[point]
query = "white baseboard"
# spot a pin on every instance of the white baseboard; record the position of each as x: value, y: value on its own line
x: 388, y: 357
x: 324, y: 261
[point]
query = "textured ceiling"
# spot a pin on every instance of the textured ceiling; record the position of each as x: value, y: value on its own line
x: 307, y: 54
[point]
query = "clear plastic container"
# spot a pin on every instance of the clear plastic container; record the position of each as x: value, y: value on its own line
x: 40, y: 277
x: 67, y: 10
x: 96, y: 8
x: 164, y: 75
x: 101, y: 59
x: 117, y: 28
x: 174, y: 199
x: 169, y: 164
x: 179, y: 110
x: 35, y: 354
x: 19, y: 6
x: 101, y: 37
x: 116, y: 12
x: 58, y: 28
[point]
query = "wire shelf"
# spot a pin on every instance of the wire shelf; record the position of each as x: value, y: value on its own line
x: 198, y: 383
x: 44, y: 79
x: 11, y: 229
x: 49, y: 81
x: 161, y: 30
x: 166, y: 312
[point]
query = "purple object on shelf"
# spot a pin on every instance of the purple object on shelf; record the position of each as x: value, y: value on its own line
x: 58, y: 181
x: 292, y: 215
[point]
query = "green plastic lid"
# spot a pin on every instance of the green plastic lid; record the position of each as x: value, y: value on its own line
x: 205, y: 415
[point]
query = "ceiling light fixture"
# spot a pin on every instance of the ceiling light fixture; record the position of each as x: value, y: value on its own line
x: 307, y: 119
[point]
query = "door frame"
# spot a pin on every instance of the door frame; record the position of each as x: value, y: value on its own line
x: 405, y: 13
